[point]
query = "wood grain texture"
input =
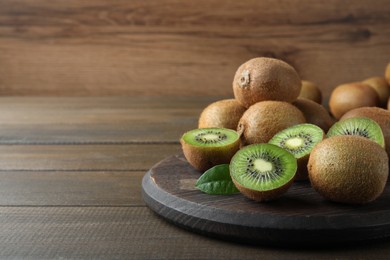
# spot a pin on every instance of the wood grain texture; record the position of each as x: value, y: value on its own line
x: 183, y: 47
x: 104, y: 120
x: 83, y: 157
x: 71, y: 188
x: 132, y: 233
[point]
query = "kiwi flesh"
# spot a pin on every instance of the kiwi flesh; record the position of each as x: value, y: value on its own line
x: 206, y: 147
x: 310, y: 91
x: 263, y: 172
x: 380, y: 85
x: 221, y: 114
x: 264, y: 119
x: 349, y: 96
x: 348, y: 169
x: 262, y: 78
x: 299, y: 140
x: 379, y: 115
x: 361, y: 126
x: 314, y: 113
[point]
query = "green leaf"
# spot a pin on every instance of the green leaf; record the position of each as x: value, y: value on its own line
x: 217, y: 181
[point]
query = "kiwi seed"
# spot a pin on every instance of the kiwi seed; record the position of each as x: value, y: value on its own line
x: 221, y: 114
x: 299, y: 140
x: 361, y: 126
x: 207, y: 147
x: 261, y: 79
x: 348, y: 169
x: 263, y: 172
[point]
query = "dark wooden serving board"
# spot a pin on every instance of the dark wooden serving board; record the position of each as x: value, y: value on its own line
x: 301, y: 217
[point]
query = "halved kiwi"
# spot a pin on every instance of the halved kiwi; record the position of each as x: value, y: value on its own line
x: 360, y: 126
x: 207, y: 147
x: 299, y: 140
x: 263, y: 172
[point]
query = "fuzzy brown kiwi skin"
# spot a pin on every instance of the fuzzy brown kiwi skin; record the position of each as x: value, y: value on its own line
x: 348, y: 169
x: 314, y: 113
x: 349, y: 96
x: 221, y: 114
x: 310, y: 91
x: 203, y: 158
x: 379, y: 115
x: 262, y: 78
x: 264, y: 119
x: 387, y: 73
x: 263, y: 196
x: 380, y: 85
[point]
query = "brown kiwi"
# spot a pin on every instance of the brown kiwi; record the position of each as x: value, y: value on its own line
x: 379, y: 115
x: 264, y: 119
x: 348, y: 96
x: 380, y: 85
x: 348, y: 169
x: 314, y: 113
x: 310, y: 91
x: 206, y: 147
x: 387, y: 73
x: 221, y: 114
x: 261, y: 79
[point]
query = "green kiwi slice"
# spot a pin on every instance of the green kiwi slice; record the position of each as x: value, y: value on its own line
x: 207, y: 147
x: 263, y: 171
x: 298, y: 139
x: 360, y: 126
x: 210, y: 137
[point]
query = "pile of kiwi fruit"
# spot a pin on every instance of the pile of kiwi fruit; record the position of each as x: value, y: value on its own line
x: 275, y: 131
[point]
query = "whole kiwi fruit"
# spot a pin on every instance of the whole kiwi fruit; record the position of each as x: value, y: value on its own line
x: 314, y: 113
x: 348, y: 169
x: 348, y: 96
x: 382, y: 88
x: 263, y: 172
x: 310, y: 91
x: 379, y: 115
x: 263, y: 120
x: 387, y: 73
x: 262, y: 78
x: 206, y: 147
x: 221, y: 114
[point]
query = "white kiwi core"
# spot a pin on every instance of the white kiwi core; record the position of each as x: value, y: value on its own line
x: 294, y: 142
x: 210, y: 137
x: 262, y: 165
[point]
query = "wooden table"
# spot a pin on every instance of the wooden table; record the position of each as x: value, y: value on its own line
x: 70, y: 182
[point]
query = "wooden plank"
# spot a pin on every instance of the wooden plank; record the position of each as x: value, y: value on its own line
x: 181, y: 48
x: 49, y: 188
x: 83, y: 157
x: 55, y: 120
x: 132, y: 232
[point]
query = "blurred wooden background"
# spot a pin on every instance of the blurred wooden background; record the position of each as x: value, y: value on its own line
x: 183, y: 48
